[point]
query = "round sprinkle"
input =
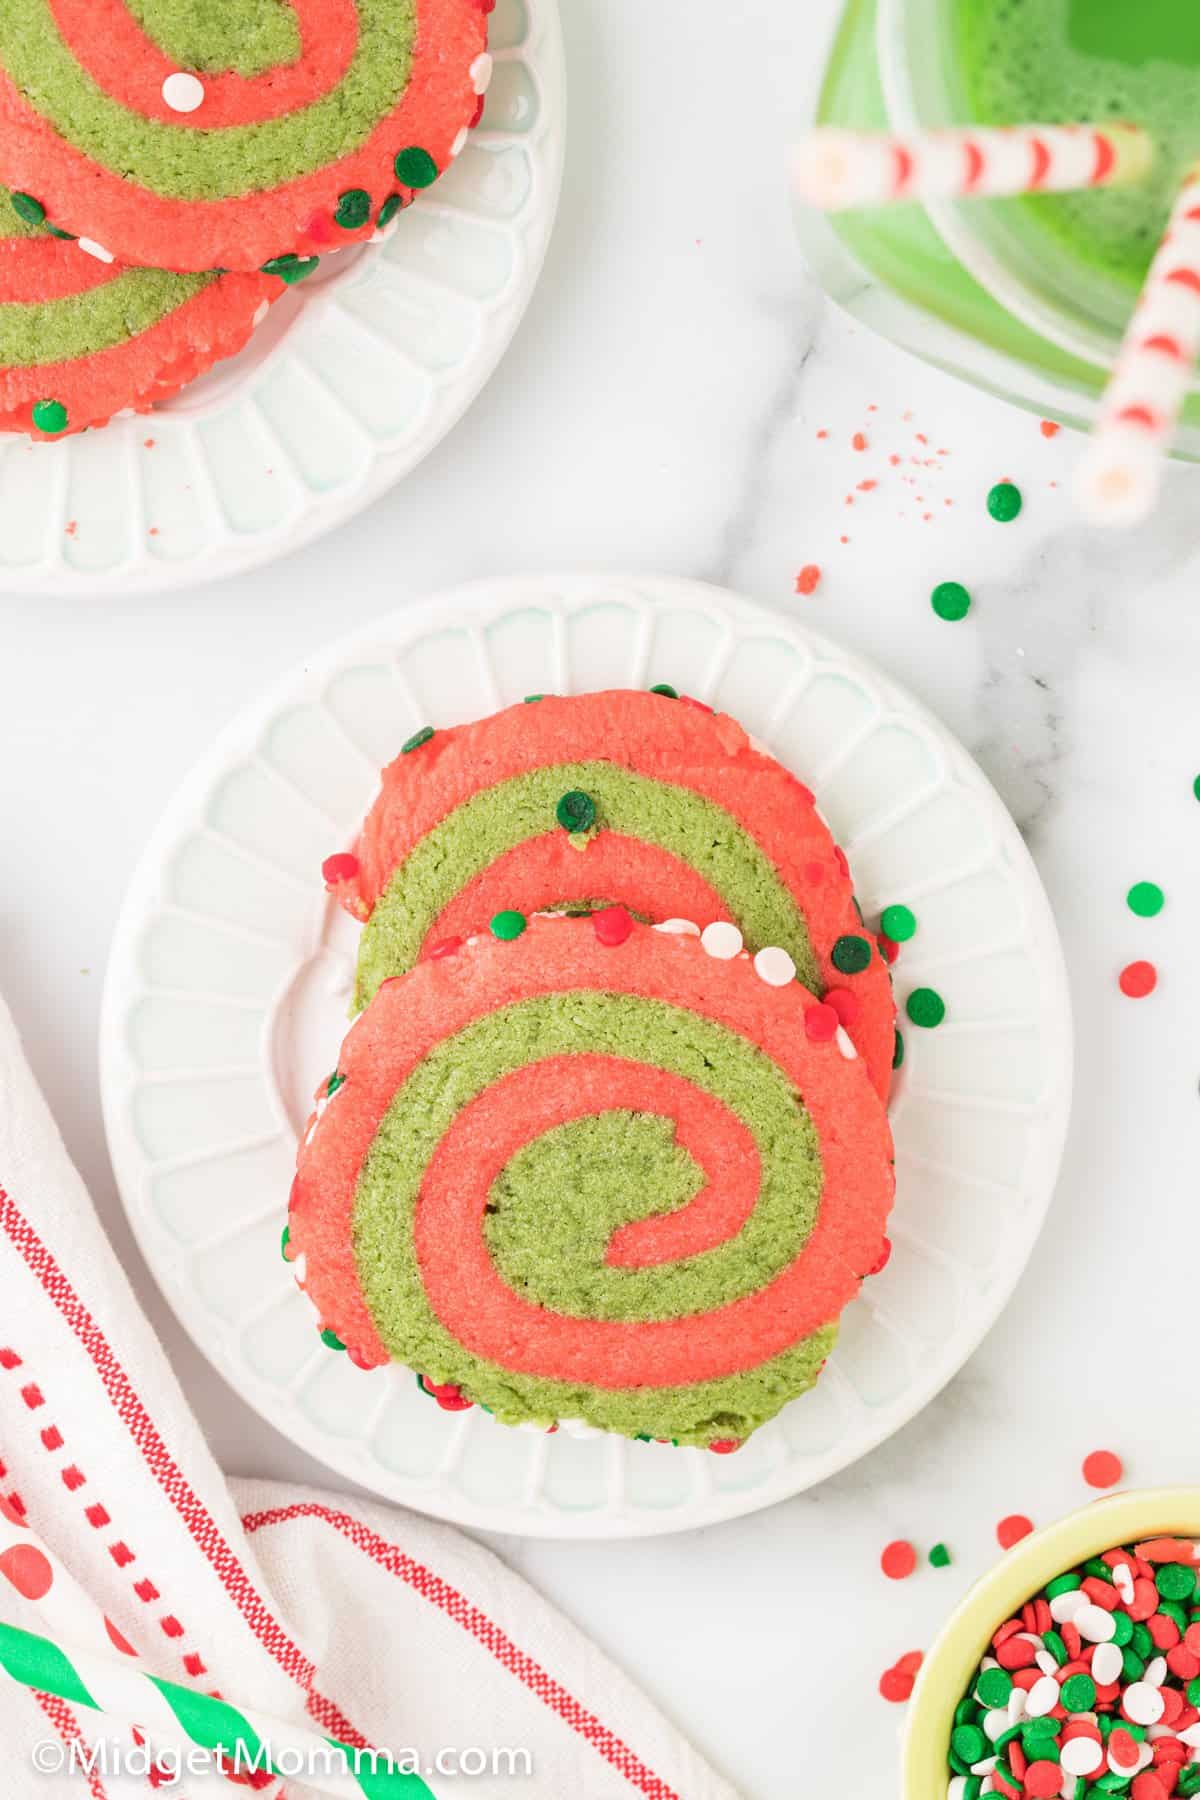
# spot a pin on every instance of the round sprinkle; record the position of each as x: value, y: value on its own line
x: 950, y: 601
x: 416, y: 740
x: 284, y: 1241
x: 821, y: 1024
x: 897, y: 1051
x: 1145, y: 898
x: 415, y: 167
x: 722, y: 940
x: 353, y: 209
x: 532, y: 699
x: 899, y: 923
x: 993, y: 1687
x: 926, y: 1007
x: 851, y: 955
x: 1042, y: 1697
x: 877, y: 1267
x: 90, y: 247
x: 1108, y: 1664
x: 666, y: 690
x: 290, y: 268
x: 331, y: 1339
x: 1196, y: 787
x: 1043, y: 1781
x: 678, y: 928
x: 939, y: 1558
x: 809, y: 578
x: 1078, y: 1693
x: 1102, y: 1469
x: 1082, y: 1756
x: 1012, y: 1529
x: 896, y: 1685
x: 342, y: 867
x: 481, y: 72
x: 1175, y: 1582
x: 774, y: 966
x: 29, y: 209
x: 1096, y: 1625
x: 182, y: 92
x: 388, y: 211
x: 968, y: 1742
x: 612, y: 925
x: 1004, y: 502
x: 1137, y: 979
x: 50, y: 416
x: 576, y: 811
x: 845, y: 1044
x: 1142, y: 1704
x: 507, y: 925
x: 898, y: 1560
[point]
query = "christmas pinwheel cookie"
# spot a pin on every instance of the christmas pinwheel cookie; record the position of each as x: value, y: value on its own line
x: 645, y: 800
x: 182, y: 135
x: 590, y: 1171
x: 81, y: 340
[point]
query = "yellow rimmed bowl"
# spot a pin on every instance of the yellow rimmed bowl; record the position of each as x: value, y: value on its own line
x: 1119, y: 1519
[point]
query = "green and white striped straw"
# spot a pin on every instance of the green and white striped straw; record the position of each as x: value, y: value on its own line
x: 182, y: 1719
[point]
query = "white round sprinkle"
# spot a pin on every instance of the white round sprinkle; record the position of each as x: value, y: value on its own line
x: 994, y: 1723
x: 774, y: 966
x: 957, y: 1788
x: 260, y: 313
x: 183, y: 93
x: 985, y: 1767
x: 1093, y: 1623
x: 1045, y: 1662
x: 481, y: 72
x: 1123, y: 1582
x: 679, y: 927
x: 460, y: 142
x: 722, y: 940
x: 1017, y: 1704
x: 300, y: 1268
x: 90, y: 247
x: 1142, y: 1703
x: 1156, y: 1671
x: 845, y: 1044
x: 1082, y: 1756
x: 1107, y: 1664
x: 1066, y: 1607
x: 1043, y: 1697
x: 1190, y: 1736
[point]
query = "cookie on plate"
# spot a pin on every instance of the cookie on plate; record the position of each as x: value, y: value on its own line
x: 182, y: 135
x: 81, y: 339
x: 592, y: 1172
x: 644, y: 800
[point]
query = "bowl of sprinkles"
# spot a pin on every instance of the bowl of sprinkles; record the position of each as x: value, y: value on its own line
x: 1072, y: 1669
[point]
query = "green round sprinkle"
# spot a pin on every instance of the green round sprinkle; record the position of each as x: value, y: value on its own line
x: 1004, y: 502
x: 897, y: 1051
x: 1175, y: 1582
x: 290, y: 267
x: 1133, y: 1666
x: 1196, y: 787
x: 416, y: 740
x: 993, y: 1687
x: 1043, y: 1727
x: 666, y: 690
x: 415, y: 167
x: 284, y: 1242
x: 576, y: 811
x: 353, y: 209
x: 388, y: 211
x: 1122, y: 1629
x: 50, y: 416
x: 29, y: 209
x: 1176, y: 1614
x: 332, y: 1339
x: 1193, y: 1691
x: 55, y: 232
x: 939, y: 1558
x: 1062, y: 1584
x: 899, y: 923
x: 1145, y: 898
x: 532, y: 699
x: 950, y: 601
x: 851, y: 955
x: 1078, y: 1693
x: 333, y: 1084
x: 1056, y: 1646
x: 508, y: 925
x: 968, y: 1742
x: 925, y: 1006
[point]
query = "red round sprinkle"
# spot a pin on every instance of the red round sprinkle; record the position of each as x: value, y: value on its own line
x: 1017, y: 1653
x: 725, y: 1446
x: 846, y: 1005
x: 358, y: 1358
x: 1137, y: 979
x: 1012, y: 1529
x: 821, y: 1023
x: 1123, y: 1747
x: 1043, y: 1780
x: 1164, y: 1631
x: 896, y: 1686
x: 910, y: 1662
x: 444, y: 947
x: 27, y: 1570
x: 612, y: 925
x: 808, y: 578
x: 883, y: 1259
x: 887, y: 948
x: 1102, y: 1469
x: 898, y: 1560
x: 342, y: 867
x: 1050, y: 428
x: 1147, y: 1786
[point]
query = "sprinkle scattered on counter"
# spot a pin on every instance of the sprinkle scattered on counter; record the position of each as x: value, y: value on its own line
x: 859, y: 441
x: 1012, y: 1529
x: 1145, y: 898
x: 1137, y: 979
x: 896, y: 1683
x: 1004, y: 502
x: 808, y: 578
x: 950, y: 601
x: 939, y: 1557
x: 1103, y: 1469
x: 898, y: 1560
x: 1050, y: 428
x: 925, y: 1007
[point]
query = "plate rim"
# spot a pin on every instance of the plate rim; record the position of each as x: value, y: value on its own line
x: 476, y: 604
x: 141, y: 576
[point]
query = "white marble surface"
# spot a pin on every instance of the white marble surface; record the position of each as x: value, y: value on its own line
x: 660, y: 409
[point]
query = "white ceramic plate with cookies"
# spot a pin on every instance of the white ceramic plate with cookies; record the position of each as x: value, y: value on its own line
x: 230, y: 979
x: 352, y: 380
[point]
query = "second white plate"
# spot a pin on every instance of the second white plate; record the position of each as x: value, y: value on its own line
x: 230, y: 977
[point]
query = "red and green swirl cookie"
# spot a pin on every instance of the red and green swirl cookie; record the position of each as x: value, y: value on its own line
x: 82, y: 339
x: 184, y: 135
x: 638, y: 799
x: 581, y: 1168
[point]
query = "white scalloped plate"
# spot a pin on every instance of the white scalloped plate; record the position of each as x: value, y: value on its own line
x: 229, y: 981
x: 354, y: 378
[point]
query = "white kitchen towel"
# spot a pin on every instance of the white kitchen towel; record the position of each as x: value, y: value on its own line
x: 374, y: 1625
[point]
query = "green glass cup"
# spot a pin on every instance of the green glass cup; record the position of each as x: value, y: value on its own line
x: 1026, y: 297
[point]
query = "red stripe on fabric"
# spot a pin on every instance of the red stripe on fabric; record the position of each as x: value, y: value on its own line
x: 1139, y: 415
x: 201, y: 1526
x: 485, y: 1631
x: 1106, y: 156
x: 904, y: 169
x: 1188, y: 278
x: 1166, y: 346
x: 975, y: 165
x: 1041, y: 162
x: 67, y: 1727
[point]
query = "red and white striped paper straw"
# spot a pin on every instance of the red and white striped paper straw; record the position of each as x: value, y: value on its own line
x: 1122, y: 469
x: 833, y: 169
